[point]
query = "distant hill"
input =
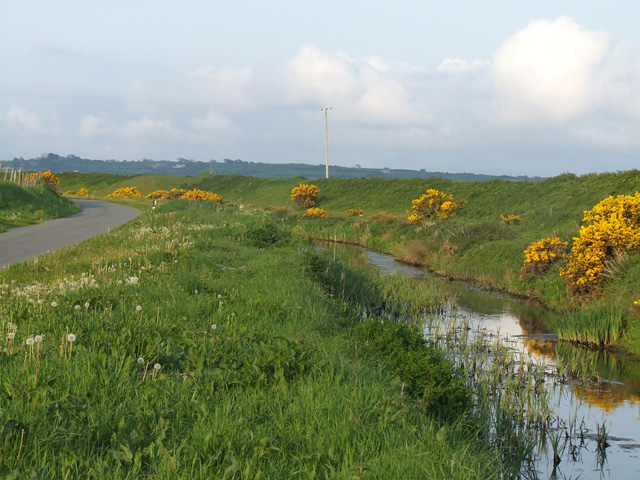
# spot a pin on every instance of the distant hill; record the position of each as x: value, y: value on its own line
x: 182, y: 166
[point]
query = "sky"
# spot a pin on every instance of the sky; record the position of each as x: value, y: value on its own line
x: 499, y: 87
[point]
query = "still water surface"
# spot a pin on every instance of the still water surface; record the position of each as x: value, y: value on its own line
x: 610, y: 396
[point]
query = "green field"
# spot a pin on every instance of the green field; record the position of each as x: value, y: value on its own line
x: 208, y: 341
x: 475, y: 245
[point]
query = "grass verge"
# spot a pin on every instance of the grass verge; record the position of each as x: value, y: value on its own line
x: 199, y: 341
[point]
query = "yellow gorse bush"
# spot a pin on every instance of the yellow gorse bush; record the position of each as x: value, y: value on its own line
x: 355, y: 212
x: 126, y: 192
x: 48, y: 177
x: 541, y: 254
x: 166, y: 194
x: 305, y: 195
x: 316, y: 213
x: 83, y: 191
x: 433, y: 203
x: 509, y: 219
x: 197, y: 194
x: 613, y: 227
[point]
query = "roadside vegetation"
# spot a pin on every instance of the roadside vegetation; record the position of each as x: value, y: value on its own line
x: 210, y: 341
x: 496, y: 237
x: 27, y: 206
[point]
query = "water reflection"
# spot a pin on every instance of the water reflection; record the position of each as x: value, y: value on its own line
x: 607, y: 392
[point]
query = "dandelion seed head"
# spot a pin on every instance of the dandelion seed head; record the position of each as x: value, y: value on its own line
x: 11, y: 335
x: 214, y: 327
x: 138, y: 308
x: 71, y: 337
x: 86, y: 305
x: 30, y: 341
x: 157, y: 366
x: 39, y: 301
x: 140, y: 361
x: 219, y: 296
x: 38, y: 339
x: 77, y: 307
x: 54, y: 304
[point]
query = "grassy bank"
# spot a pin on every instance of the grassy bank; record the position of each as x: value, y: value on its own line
x: 26, y: 206
x: 474, y: 245
x: 203, y: 341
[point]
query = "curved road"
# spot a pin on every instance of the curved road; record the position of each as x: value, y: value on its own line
x: 24, y: 243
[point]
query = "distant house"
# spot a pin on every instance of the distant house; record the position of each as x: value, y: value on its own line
x: 386, y: 171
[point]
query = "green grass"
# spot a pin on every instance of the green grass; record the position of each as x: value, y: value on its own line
x: 475, y: 245
x: 26, y: 206
x: 595, y: 328
x: 286, y: 386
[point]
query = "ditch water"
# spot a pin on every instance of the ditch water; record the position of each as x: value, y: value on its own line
x: 606, y: 396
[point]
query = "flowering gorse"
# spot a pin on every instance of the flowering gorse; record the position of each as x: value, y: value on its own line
x: 434, y: 203
x: 196, y: 194
x: 316, y: 213
x: 541, y: 254
x: 510, y: 219
x: 166, y: 194
x: 613, y: 227
x: 126, y: 192
x: 305, y: 195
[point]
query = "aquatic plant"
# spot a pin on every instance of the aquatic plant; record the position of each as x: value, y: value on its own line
x: 593, y: 327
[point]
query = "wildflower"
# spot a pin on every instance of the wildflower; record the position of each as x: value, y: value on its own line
x: 86, y: 305
x: 71, y: 337
x: 138, y: 308
x: 140, y: 361
x: 54, y: 304
x: 77, y: 307
x: 11, y: 335
x: 214, y: 327
x: 157, y: 366
x: 30, y: 341
x: 38, y: 338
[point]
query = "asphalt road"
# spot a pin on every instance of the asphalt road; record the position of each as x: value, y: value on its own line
x: 24, y: 243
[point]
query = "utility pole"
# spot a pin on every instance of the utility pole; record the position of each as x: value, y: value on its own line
x: 326, y: 137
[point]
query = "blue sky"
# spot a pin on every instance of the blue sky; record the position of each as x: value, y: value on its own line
x: 498, y: 87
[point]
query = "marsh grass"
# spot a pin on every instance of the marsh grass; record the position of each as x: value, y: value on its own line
x: 281, y: 388
x: 595, y: 328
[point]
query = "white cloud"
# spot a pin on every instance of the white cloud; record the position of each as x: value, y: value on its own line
x: 366, y: 90
x: 92, y: 126
x: 215, y: 128
x: 24, y: 121
x: 460, y: 65
x: 549, y: 72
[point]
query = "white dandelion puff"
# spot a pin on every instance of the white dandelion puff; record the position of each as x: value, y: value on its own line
x: 71, y: 337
